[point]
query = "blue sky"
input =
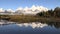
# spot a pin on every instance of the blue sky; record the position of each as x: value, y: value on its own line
x: 13, y: 4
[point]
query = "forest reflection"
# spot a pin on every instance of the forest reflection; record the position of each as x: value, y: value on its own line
x: 55, y: 24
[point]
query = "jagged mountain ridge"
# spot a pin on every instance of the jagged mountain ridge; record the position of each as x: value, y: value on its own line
x: 33, y: 10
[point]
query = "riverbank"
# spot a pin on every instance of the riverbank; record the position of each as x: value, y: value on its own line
x: 29, y: 18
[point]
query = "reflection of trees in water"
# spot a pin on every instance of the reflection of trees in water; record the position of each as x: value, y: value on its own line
x: 57, y: 25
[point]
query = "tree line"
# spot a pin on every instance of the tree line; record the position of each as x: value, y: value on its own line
x: 50, y: 13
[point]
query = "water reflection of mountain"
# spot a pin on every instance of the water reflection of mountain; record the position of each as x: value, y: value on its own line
x: 33, y: 25
x: 56, y: 25
x: 28, y: 28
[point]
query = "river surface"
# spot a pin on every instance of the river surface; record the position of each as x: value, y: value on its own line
x: 30, y: 28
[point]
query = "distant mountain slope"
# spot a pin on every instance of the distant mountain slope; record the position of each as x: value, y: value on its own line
x: 32, y: 10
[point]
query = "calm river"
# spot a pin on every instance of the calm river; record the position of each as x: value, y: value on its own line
x: 31, y: 28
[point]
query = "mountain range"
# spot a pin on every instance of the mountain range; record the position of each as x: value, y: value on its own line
x: 32, y: 10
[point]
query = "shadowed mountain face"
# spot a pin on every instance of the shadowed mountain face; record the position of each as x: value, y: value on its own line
x: 28, y: 28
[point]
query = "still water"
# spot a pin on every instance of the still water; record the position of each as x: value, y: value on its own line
x: 30, y: 28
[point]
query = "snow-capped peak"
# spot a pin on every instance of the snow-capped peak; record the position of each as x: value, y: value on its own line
x: 10, y: 10
x: 33, y: 10
x: 20, y: 8
x: 1, y: 10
